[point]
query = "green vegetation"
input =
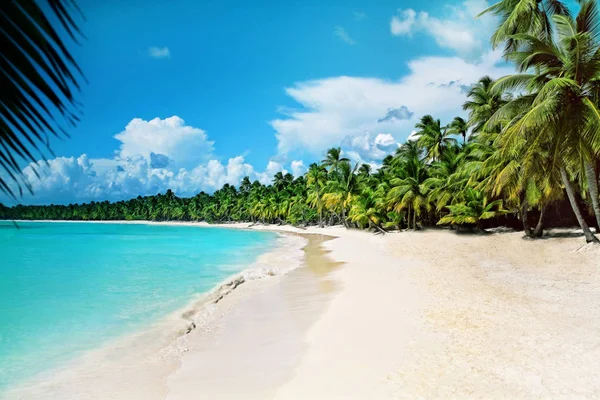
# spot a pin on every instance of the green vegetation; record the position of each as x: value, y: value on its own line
x: 534, y: 143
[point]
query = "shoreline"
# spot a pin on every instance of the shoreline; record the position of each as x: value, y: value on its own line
x: 163, y: 340
x: 428, y: 314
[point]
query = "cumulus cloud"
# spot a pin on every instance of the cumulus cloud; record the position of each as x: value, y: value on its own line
x: 340, y: 107
x: 459, y: 32
x: 298, y: 168
x: 272, y: 168
x: 159, y: 52
x: 368, y: 148
x: 169, y: 137
x: 145, y: 163
x: 343, y: 35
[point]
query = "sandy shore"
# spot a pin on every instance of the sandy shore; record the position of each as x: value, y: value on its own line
x: 430, y: 314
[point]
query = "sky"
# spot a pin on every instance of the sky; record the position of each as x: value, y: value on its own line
x: 190, y: 95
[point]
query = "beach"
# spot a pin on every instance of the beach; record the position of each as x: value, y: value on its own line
x: 428, y: 314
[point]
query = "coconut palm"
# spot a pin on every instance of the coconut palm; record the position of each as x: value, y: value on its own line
x: 433, y: 137
x: 473, y: 210
x: 459, y: 126
x: 316, y: 179
x: 366, y: 211
x: 334, y: 159
x: 408, y: 190
x: 519, y: 16
x: 561, y: 111
x: 482, y: 104
x: 39, y: 80
x: 341, y: 190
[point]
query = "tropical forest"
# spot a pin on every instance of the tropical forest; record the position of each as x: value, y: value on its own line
x: 525, y: 154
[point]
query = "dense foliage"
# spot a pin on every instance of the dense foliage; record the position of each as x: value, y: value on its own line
x: 534, y: 142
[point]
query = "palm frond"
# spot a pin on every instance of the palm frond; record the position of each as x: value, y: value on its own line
x: 39, y: 80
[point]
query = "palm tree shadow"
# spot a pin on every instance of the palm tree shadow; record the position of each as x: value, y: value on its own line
x: 562, y: 234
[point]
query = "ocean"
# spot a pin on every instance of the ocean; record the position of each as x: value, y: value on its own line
x: 66, y: 288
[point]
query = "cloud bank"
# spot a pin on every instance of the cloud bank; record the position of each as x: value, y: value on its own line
x: 152, y: 156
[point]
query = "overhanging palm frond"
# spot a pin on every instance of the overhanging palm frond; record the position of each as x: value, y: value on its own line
x: 39, y: 79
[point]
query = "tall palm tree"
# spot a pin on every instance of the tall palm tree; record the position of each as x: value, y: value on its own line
x: 433, y: 137
x: 341, y: 190
x: 562, y: 110
x: 39, y: 80
x: 408, y: 190
x: 316, y: 179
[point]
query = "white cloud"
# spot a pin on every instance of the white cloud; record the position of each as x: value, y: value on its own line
x: 273, y: 167
x: 403, y: 24
x: 184, y: 145
x: 133, y: 170
x: 343, y: 35
x: 412, y: 137
x: 159, y: 52
x: 460, y: 31
x: 298, y: 168
x: 341, y: 107
x: 368, y: 148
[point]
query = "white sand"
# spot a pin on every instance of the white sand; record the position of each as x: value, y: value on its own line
x: 437, y: 315
x: 408, y: 315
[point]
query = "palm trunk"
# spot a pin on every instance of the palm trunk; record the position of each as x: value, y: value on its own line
x: 408, y: 219
x: 344, y: 217
x: 539, y: 228
x: 592, y: 181
x: 321, y: 218
x: 524, y: 215
x: 415, y: 220
x: 379, y: 228
x: 589, y: 236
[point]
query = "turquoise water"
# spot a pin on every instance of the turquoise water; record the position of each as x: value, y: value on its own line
x: 67, y: 287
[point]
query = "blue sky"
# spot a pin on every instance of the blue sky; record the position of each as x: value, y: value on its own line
x: 190, y: 95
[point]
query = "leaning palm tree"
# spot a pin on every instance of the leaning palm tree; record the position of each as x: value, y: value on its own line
x: 561, y: 110
x: 39, y: 79
x: 366, y: 211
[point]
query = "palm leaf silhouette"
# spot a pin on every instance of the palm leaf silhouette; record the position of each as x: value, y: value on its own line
x: 39, y: 79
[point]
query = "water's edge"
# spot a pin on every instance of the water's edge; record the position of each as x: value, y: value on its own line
x: 160, y: 344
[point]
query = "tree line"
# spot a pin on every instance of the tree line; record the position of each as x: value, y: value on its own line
x: 530, y: 146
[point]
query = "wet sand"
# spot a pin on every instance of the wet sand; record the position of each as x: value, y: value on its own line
x: 259, y: 341
x: 429, y: 314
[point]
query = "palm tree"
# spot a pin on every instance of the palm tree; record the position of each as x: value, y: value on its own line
x: 473, y: 210
x: 366, y: 211
x: 39, y: 79
x: 561, y: 111
x: 519, y: 16
x: 433, y: 137
x: 482, y: 104
x: 334, y: 159
x: 340, y: 190
x: 459, y: 126
x: 408, y: 189
x: 316, y: 179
